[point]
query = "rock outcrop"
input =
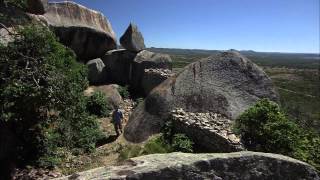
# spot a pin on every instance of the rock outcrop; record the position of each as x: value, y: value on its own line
x: 110, y: 91
x: 128, y: 68
x: 87, y: 32
x: 119, y: 66
x: 37, y: 6
x: 148, y: 60
x: 210, y: 132
x: 237, y: 166
x: 151, y: 78
x: 96, y: 71
x: 226, y: 84
x: 132, y: 39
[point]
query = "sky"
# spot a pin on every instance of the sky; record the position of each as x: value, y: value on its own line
x: 259, y: 25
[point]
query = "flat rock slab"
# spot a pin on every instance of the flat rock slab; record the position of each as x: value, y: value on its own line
x: 227, y: 83
x: 243, y: 165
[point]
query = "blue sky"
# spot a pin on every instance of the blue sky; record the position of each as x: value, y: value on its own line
x: 260, y: 25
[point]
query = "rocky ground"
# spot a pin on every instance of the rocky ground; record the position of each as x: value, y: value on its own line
x: 105, y: 155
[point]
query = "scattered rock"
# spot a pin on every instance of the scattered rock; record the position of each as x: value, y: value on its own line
x: 226, y: 84
x: 87, y: 32
x: 153, y: 77
x: 119, y: 66
x: 6, y: 36
x: 96, y: 71
x: 132, y: 39
x: 37, y: 6
x: 243, y: 165
x: 111, y: 92
x: 211, y: 132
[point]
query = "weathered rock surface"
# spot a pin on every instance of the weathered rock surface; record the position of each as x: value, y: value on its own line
x: 37, y: 6
x: 148, y: 60
x: 238, y: 166
x: 85, y: 31
x: 111, y: 92
x: 226, y: 83
x: 6, y: 36
x: 128, y: 68
x: 153, y: 77
x: 211, y: 132
x: 96, y: 71
x: 132, y: 39
x: 119, y: 66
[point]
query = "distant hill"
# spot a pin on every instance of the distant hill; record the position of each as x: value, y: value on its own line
x: 273, y: 59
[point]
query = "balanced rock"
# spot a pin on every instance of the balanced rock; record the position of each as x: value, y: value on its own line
x: 211, y: 132
x: 119, y: 66
x: 148, y: 60
x: 238, y: 166
x: 227, y: 84
x: 153, y: 77
x: 96, y: 71
x: 37, y: 6
x: 87, y: 32
x: 110, y: 91
x: 132, y: 39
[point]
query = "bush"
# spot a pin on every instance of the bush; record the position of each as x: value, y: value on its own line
x: 182, y: 143
x: 22, y: 4
x: 177, y: 141
x: 124, y: 92
x: 264, y: 127
x: 41, y: 97
x: 97, y: 105
x: 154, y: 145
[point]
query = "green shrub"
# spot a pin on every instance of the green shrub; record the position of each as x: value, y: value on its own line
x: 157, y: 144
x: 182, y: 143
x: 130, y: 152
x: 97, y: 105
x: 41, y: 97
x: 264, y: 127
x: 22, y: 4
x: 154, y: 145
x: 124, y: 91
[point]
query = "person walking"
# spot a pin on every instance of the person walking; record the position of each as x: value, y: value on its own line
x: 117, y: 117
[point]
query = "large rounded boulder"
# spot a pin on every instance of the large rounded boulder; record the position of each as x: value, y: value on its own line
x: 87, y: 32
x: 227, y: 84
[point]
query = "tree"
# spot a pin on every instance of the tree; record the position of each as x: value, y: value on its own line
x: 41, y: 97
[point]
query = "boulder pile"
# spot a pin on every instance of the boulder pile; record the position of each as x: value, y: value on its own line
x: 238, y: 166
x: 211, y: 132
x: 227, y: 83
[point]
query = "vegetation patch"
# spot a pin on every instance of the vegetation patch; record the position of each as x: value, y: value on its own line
x: 41, y: 99
x: 97, y: 105
x: 264, y: 127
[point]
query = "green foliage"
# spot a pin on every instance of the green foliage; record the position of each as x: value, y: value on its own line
x: 265, y: 128
x: 130, y: 152
x: 177, y: 141
x: 155, y: 145
x: 182, y: 143
x: 41, y: 97
x: 97, y: 105
x: 22, y: 4
x: 124, y: 92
